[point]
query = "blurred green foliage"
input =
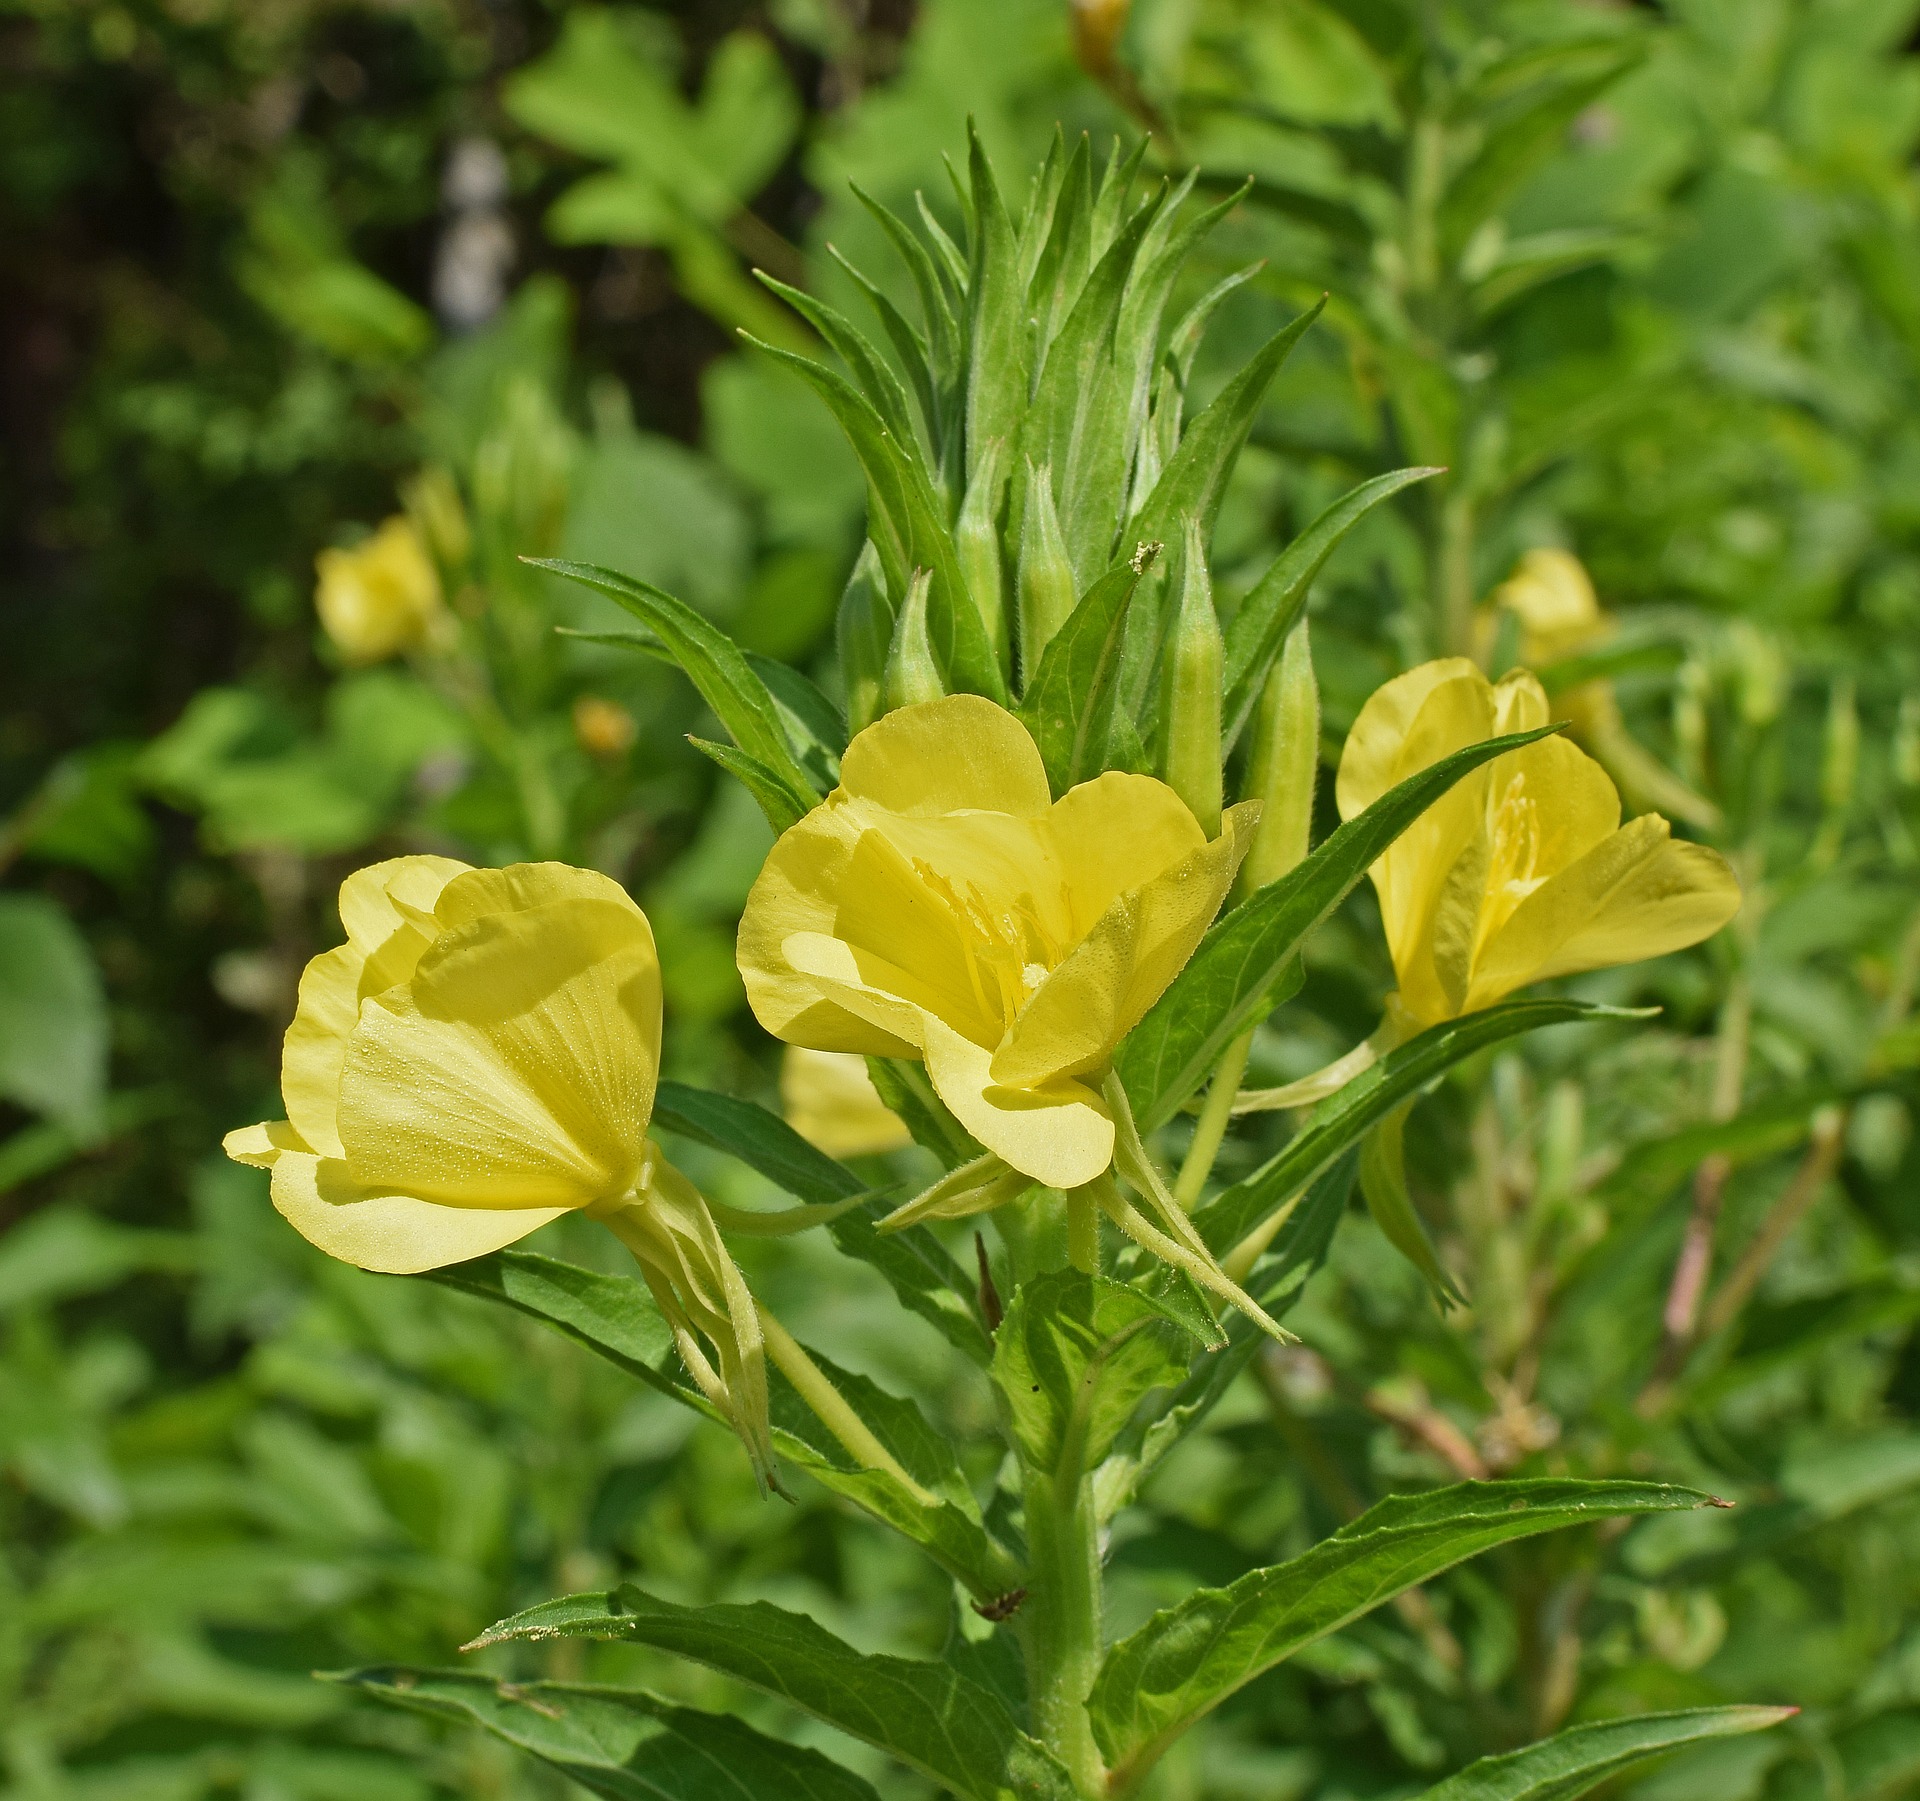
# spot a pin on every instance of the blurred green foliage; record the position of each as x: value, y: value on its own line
x: 1642, y: 278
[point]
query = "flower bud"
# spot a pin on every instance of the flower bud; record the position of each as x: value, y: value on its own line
x: 440, y: 517
x: 913, y: 675
x: 864, y: 631
x: 380, y: 598
x: 1284, y: 762
x: 603, y: 728
x: 977, y: 540
x: 1046, y: 571
x: 1194, y: 661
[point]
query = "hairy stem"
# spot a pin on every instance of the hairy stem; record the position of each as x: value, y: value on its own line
x: 1061, y: 1618
x: 1083, y: 1231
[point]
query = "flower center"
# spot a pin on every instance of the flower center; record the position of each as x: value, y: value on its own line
x: 1008, y: 950
x: 1513, y: 868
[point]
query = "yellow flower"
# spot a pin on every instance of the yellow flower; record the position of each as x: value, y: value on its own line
x: 381, y: 597
x: 830, y: 1100
x: 479, y: 1058
x: 941, y: 906
x: 1523, y: 870
x: 1551, y: 596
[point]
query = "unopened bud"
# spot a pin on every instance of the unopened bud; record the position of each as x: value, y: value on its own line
x: 976, y: 537
x: 1194, y: 662
x: 439, y: 515
x: 1284, y: 762
x: 913, y: 675
x: 864, y: 631
x: 1690, y: 690
x: 1760, y: 672
x: 1046, y: 571
x: 1840, y: 759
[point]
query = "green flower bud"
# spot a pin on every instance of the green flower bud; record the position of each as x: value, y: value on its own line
x: 1840, y: 761
x: 864, y: 631
x: 912, y: 673
x: 1046, y: 571
x: 1194, y: 662
x: 1283, y: 763
x: 976, y: 537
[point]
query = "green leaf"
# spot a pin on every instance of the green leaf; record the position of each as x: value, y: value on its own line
x: 916, y: 1266
x: 616, y: 1318
x: 1570, y: 1763
x: 1227, y: 983
x: 1189, y: 1658
x: 872, y: 371
x: 760, y: 1139
x: 936, y: 305
x: 1075, y: 1355
x: 1343, y: 1118
x: 998, y: 348
x: 1267, y: 615
x: 908, y: 527
x: 925, y: 1714
x: 904, y: 1087
x: 776, y: 800
x: 712, y: 662
x: 802, y: 702
x: 624, y: 1744
x: 1383, y: 1180
x: 1066, y: 703
x: 613, y: 1316
x: 53, y: 1014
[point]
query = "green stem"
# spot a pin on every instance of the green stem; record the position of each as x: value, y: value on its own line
x: 1083, y: 1231
x: 810, y: 1380
x: 1061, y: 1620
x: 1211, y: 1127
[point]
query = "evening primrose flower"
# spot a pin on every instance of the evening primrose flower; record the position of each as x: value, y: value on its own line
x: 941, y: 906
x: 1523, y: 870
x: 479, y: 1058
x: 1551, y: 598
x: 830, y: 1100
x: 380, y: 598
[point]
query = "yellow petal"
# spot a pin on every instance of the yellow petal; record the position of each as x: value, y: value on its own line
x: 830, y: 1100
x: 517, y: 1069
x: 1639, y: 893
x: 945, y: 755
x: 475, y: 893
x: 1552, y: 596
x: 1378, y: 753
x: 1519, y: 703
x: 375, y: 902
x: 393, y: 1233
x: 1103, y: 987
x: 793, y: 898
x: 1116, y: 833
x: 262, y: 1145
x: 1059, y: 1136
x: 315, y: 1047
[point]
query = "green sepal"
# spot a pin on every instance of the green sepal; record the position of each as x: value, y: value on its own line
x: 783, y: 808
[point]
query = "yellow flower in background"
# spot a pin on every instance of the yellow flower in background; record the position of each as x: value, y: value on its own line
x: 830, y: 1100
x: 379, y: 598
x: 479, y: 1058
x: 1523, y: 870
x: 1551, y: 597
x: 941, y: 906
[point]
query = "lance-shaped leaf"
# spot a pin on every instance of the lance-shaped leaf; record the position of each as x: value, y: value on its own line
x: 1193, y: 482
x: 1571, y: 1763
x: 914, y: 1262
x: 1074, y: 1357
x: 1343, y: 1118
x: 624, y: 1744
x: 998, y: 340
x: 1068, y: 701
x: 936, y: 301
x: 1268, y: 614
x: 1189, y: 1658
x: 775, y: 798
x: 1226, y: 984
x: 909, y: 530
x: 925, y: 1714
x: 712, y: 661
x: 874, y: 374
x: 615, y: 1318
